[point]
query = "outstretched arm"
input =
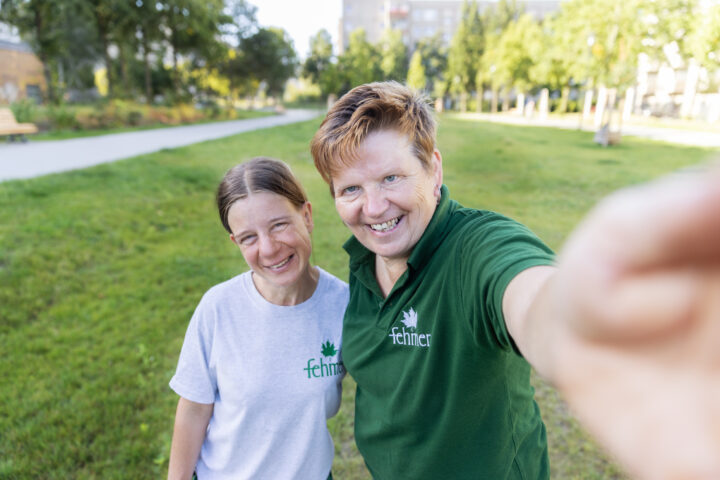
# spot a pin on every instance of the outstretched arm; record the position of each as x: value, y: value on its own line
x: 627, y: 327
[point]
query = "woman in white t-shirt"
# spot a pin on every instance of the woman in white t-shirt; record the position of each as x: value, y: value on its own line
x: 260, y: 369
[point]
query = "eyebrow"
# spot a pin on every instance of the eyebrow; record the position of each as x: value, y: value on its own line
x: 271, y: 220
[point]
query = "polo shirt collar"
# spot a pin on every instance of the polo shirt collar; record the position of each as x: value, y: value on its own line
x: 431, y: 238
x: 435, y: 231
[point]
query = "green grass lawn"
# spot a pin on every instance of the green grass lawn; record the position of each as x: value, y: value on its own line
x: 100, y: 270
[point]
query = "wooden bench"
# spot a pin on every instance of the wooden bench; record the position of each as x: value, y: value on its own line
x: 9, y: 126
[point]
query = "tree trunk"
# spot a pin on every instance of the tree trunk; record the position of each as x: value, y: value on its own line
x: 39, y: 33
x: 587, y: 107
x: 176, y: 73
x: 562, y: 108
x: 146, y: 61
x: 520, y: 104
x: 124, y: 73
x: 506, y: 101
x: 494, y: 101
x: 108, y: 65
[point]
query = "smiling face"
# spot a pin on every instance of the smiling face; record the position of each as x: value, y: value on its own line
x: 386, y: 197
x: 274, y: 237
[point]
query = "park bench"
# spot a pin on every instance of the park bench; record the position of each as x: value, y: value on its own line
x: 9, y: 126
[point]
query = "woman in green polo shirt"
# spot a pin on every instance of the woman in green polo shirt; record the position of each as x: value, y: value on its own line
x: 449, y: 306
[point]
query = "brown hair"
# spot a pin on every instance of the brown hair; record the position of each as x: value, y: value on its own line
x: 261, y: 174
x: 368, y: 108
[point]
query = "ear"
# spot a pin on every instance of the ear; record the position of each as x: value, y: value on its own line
x: 307, y: 216
x: 436, y: 163
x: 234, y: 240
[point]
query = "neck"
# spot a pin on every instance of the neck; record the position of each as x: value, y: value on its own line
x: 388, y: 271
x: 289, y: 295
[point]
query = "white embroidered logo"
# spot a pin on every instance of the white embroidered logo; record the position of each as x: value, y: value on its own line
x: 410, y: 318
x: 409, y: 337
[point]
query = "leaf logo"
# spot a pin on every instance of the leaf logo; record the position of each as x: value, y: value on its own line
x: 410, y: 318
x: 328, y: 349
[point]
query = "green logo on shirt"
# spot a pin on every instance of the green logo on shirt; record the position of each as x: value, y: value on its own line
x: 409, y: 337
x: 328, y: 349
x: 322, y: 369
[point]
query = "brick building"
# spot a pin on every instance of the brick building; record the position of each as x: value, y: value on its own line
x: 21, y: 73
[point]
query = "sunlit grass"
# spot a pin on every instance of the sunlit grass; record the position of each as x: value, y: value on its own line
x: 100, y: 270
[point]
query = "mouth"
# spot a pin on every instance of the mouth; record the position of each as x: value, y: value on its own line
x: 387, y: 226
x: 280, y: 265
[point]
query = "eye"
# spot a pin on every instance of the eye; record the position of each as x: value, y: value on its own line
x: 279, y: 225
x: 350, y: 190
x: 391, y: 178
x: 247, y: 239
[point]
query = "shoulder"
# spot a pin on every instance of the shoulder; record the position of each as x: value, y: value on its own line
x: 332, y: 285
x: 223, y: 292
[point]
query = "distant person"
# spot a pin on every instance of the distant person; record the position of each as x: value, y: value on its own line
x: 260, y: 370
x: 450, y: 306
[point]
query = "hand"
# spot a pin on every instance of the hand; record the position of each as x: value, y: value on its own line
x: 638, y: 357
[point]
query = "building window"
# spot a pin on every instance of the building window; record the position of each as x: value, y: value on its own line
x: 33, y: 92
x: 430, y: 14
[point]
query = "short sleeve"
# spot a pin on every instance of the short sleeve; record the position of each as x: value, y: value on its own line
x: 194, y: 378
x: 495, y: 249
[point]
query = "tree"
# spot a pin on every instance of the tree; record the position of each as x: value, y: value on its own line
x: 466, y: 49
x: 434, y: 61
x: 552, y: 66
x: 268, y: 56
x: 704, y: 43
x: 416, y: 73
x: 319, y: 66
x: 37, y: 22
x: 194, y: 30
x: 394, y: 56
x: 359, y: 64
x: 243, y: 20
x: 497, y: 18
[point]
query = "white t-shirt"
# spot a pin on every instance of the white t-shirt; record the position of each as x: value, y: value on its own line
x: 274, y: 376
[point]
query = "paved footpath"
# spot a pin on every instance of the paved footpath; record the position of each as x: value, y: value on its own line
x: 663, y: 134
x: 32, y: 159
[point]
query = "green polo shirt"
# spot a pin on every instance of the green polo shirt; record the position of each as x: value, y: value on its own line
x: 442, y: 392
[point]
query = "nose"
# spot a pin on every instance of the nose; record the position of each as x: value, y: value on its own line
x: 267, y: 245
x: 375, y: 203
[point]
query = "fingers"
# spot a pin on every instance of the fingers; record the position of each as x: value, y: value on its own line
x: 675, y: 220
x: 639, y: 266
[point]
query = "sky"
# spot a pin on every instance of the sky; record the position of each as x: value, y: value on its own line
x: 300, y: 18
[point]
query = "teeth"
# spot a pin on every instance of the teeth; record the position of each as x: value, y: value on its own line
x: 381, y: 227
x: 281, y: 263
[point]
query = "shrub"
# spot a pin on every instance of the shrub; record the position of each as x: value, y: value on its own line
x: 24, y: 110
x: 62, y: 118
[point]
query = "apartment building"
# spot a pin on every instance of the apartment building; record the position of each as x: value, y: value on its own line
x: 416, y: 19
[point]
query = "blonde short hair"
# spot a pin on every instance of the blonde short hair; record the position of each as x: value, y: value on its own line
x: 366, y: 109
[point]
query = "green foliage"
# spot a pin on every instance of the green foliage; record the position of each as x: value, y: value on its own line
x: 359, y: 64
x: 515, y: 50
x: 267, y: 56
x: 704, y: 43
x: 416, y: 73
x: 319, y: 66
x: 101, y: 268
x: 466, y: 48
x: 434, y: 62
x: 24, y: 110
x: 394, y: 56
x: 552, y: 66
x: 62, y: 117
